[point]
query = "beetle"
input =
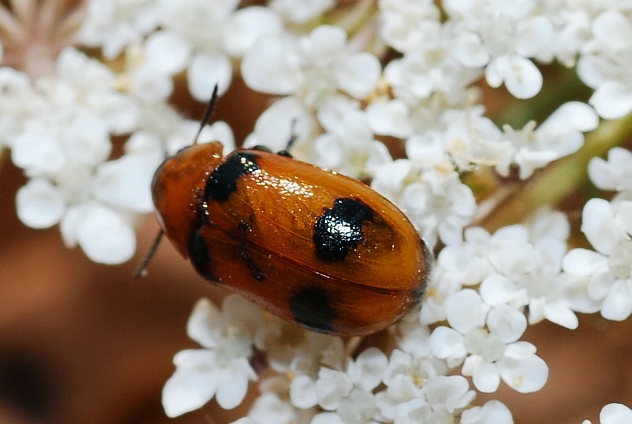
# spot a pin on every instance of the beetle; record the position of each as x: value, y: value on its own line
x: 309, y: 245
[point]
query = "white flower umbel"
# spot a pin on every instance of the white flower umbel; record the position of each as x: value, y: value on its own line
x: 63, y: 148
x: 220, y: 370
x: 510, y: 268
x: 401, y: 92
x: 608, y: 269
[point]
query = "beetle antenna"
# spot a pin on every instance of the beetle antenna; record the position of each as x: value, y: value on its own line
x: 293, y: 134
x: 207, y: 114
x: 141, y: 270
x: 291, y: 140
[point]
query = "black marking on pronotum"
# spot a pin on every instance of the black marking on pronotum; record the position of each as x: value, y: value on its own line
x: 261, y: 148
x: 253, y: 267
x: 223, y: 180
x: 285, y: 153
x: 339, y: 229
x: 200, y: 254
x: 311, y: 307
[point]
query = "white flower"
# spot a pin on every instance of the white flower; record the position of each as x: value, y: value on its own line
x: 457, y: 265
x: 558, y: 136
x: 604, y: 62
x: 247, y: 25
x: 484, y: 339
x: 104, y: 235
x: 608, y: 269
x: 65, y: 147
x: 441, y: 205
x: 492, y: 412
x: 510, y: 269
x: 294, y: 356
x: 301, y: 11
x: 124, y: 183
x: 410, y: 368
x: 462, y: 138
x: 438, y: 401
x: 404, y: 23
x: 438, y: 203
x: 501, y: 37
x: 346, y: 395
x: 349, y: 147
x: 311, y: 68
x: 221, y: 369
x: 18, y: 103
x: 613, y: 174
x: 528, y: 273
x: 198, y: 28
x: 572, y: 26
x: 116, y: 24
x: 428, y: 66
x: 614, y: 413
x: 390, y: 117
x: 269, y: 408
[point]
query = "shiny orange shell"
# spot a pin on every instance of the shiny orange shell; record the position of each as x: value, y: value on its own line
x: 310, y: 246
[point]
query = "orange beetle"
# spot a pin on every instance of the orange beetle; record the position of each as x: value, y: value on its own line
x: 309, y: 245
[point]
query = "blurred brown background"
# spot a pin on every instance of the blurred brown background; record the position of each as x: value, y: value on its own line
x: 85, y: 343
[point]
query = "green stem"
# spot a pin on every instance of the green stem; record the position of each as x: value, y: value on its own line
x: 561, y: 179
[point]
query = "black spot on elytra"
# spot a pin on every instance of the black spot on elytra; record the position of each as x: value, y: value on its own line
x: 310, y: 307
x: 339, y: 229
x: 253, y: 267
x: 200, y: 255
x: 243, y: 226
x: 223, y: 180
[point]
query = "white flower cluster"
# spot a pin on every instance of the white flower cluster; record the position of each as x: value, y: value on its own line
x: 60, y: 131
x: 402, y: 73
x: 63, y: 142
x: 334, y: 89
x: 602, y: 278
x: 312, y: 379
